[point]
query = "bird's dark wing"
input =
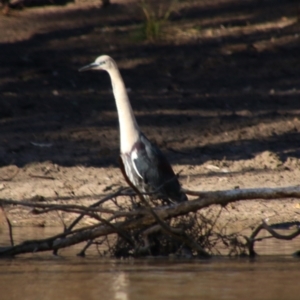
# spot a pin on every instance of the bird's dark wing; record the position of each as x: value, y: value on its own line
x: 153, y: 168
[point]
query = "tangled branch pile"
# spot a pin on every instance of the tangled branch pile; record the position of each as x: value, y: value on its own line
x: 125, y: 228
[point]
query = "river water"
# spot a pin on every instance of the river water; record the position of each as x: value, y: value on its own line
x: 44, y: 276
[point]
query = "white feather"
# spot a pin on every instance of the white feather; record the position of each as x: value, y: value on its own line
x: 134, y: 156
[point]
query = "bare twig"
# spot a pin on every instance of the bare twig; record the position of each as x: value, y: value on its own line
x: 156, y: 215
x: 78, y: 219
x: 82, y: 252
x: 61, y: 207
x: 252, y: 239
x: 42, y: 176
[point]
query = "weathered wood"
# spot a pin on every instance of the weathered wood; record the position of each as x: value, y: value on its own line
x: 204, y: 199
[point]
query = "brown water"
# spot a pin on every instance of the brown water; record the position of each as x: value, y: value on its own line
x: 43, y: 276
x: 94, y: 278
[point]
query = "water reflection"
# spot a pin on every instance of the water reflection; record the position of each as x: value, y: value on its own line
x: 119, y: 285
x: 93, y: 278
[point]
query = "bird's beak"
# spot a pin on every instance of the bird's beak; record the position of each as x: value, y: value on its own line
x: 88, y: 67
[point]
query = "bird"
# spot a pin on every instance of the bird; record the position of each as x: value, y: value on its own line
x: 145, y: 166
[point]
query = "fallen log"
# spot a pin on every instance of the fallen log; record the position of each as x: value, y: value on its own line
x: 136, y: 219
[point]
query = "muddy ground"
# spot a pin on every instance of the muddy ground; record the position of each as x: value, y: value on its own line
x: 219, y: 92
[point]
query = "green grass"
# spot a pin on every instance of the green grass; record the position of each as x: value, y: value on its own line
x: 155, y: 15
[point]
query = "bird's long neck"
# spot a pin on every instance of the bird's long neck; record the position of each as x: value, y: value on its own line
x: 129, y: 130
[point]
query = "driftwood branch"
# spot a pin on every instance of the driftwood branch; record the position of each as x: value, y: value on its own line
x: 226, y: 196
x: 264, y: 226
x: 204, y: 199
x: 136, y: 219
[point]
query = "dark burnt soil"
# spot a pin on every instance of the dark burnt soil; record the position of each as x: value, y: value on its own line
x: 219, y: 93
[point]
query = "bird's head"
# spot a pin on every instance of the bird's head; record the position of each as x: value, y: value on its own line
x: 103, y: 62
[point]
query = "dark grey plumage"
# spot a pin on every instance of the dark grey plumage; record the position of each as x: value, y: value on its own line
x: 150, y: 172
